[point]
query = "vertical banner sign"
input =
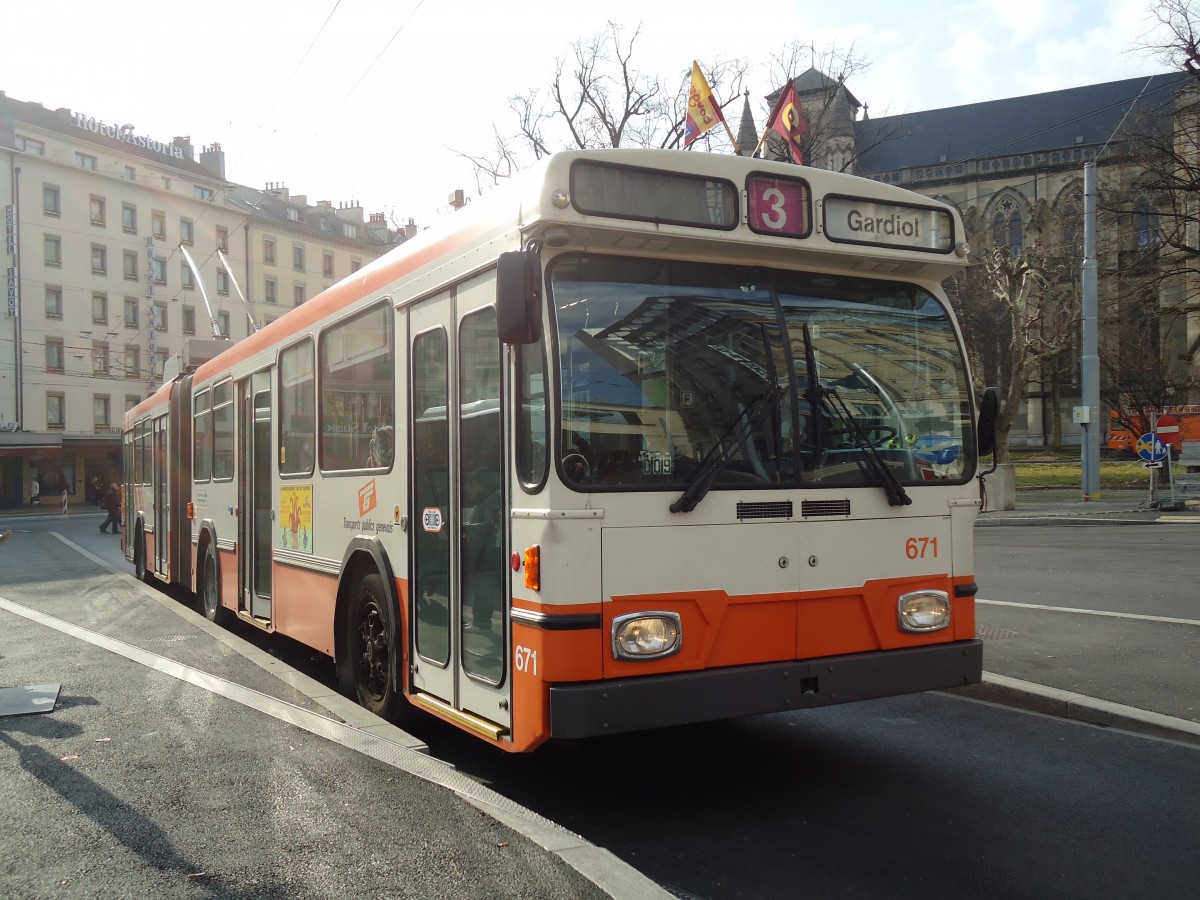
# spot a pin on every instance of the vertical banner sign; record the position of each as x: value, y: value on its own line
x: 151, y: 311
x: 10, y: 239
x: 12, y: 292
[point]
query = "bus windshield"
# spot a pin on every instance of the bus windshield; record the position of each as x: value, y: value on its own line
x: 676, y: 372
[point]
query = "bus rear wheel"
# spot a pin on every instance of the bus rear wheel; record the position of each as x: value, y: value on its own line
x: 373, y: 657
x: 210, y: 588
x: 139, y: 557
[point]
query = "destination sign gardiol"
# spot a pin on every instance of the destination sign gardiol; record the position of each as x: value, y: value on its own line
x: 857, y: 221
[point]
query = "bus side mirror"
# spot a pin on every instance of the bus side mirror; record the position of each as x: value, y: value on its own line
x: 518, y: 292
x: 989, y: 413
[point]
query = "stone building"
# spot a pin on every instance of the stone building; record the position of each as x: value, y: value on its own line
x: 112, y: 240
x: 1014, y: 170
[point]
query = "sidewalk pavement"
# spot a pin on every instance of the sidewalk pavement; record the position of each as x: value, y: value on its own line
x: 1067, y: 506
x: 1130, y: 673
x: 162, y: 732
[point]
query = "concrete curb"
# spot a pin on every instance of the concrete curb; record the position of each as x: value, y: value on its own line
x: 1027, y: 695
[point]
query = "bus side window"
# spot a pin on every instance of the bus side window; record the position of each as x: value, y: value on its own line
x: 531, y: 415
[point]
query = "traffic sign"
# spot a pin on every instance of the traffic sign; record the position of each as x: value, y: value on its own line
x: 1150, y: 448
x: 1167, y: 424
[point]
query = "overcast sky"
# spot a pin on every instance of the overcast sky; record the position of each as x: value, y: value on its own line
x: 367, y: 100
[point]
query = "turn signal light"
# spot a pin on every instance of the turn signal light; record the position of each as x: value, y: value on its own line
x: 533, y: 567
x: 191, y: 510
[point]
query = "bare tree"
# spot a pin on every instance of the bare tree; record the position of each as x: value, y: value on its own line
x: 599, y: 98
x: 1151, y: 330
x: 1018, y: 312
x: 1180, y: 50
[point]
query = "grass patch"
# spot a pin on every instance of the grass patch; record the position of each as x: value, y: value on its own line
x: 1042, y: 468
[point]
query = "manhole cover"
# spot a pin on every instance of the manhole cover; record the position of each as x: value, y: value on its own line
x: 994, y: 634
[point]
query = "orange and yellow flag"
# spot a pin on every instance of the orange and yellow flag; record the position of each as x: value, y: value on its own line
x: 703, y: 112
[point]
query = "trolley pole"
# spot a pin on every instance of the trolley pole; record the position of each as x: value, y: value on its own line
x: 1089, y: 375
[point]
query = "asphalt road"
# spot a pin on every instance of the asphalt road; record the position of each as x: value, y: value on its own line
x: 930, y: 795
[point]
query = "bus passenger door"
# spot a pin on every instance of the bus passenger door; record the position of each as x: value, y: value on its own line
x: 162, y: 510
x: 256, y: 522
x: 459, y: 578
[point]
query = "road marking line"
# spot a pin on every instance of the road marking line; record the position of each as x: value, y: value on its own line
x: 1090, y: 612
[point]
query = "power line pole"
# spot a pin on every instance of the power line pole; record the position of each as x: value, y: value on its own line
x: 1089, y: 375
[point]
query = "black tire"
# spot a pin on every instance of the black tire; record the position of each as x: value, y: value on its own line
x: 372, y: 654
x: 209, y: 599
x: 139, y: 558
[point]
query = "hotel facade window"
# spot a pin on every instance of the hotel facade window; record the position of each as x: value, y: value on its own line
x: 187, y: 232
x: 99, y: 357
x: 56, y: 403
x: 129, y: 264
x: 99, y: 308
x: 51, y: 200
x: 100, y: 412
x: 158, y: 224
x: 99, y: 259
x: 54, y: 309
x: 52, y: 250
x: 98, y: 208
x: 54, y: 354
x: 131, y: 312
x: 129, y: 218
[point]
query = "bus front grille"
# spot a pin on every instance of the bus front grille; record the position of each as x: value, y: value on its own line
x: 811, y: 508
x: 781, y: 509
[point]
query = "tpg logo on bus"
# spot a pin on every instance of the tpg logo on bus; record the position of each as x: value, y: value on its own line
x: 857, y: 221
x: 366, y: 498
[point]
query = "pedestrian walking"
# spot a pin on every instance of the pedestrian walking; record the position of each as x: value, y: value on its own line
x: 35, y: 492
x: 112, y: 503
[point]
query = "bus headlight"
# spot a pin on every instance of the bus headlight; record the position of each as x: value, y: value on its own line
x: 924, y: 610
x: 646, y: 635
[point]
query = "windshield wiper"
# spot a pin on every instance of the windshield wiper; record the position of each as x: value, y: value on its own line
x: 720, y: 455
x: 896, y: 494
x: 817, y: 395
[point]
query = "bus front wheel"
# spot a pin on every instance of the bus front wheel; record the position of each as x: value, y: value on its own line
x: 373, y: 657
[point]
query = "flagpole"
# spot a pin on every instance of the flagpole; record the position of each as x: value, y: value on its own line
x: 736, y: 150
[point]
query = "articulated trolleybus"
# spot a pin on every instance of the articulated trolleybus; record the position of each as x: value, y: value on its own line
x: 645, y: 438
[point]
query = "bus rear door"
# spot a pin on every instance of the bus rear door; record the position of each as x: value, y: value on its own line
x: 255, y: 523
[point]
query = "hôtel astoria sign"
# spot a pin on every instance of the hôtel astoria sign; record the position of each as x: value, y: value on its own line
x: 125, y: 133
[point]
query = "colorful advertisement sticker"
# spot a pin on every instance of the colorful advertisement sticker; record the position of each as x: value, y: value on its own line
x: 296, y: 514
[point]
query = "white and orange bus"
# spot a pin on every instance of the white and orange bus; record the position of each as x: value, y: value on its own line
x: 644, y: 438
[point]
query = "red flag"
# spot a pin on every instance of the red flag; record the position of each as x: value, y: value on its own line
x: 703, y: 112
x: 788, y: 121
